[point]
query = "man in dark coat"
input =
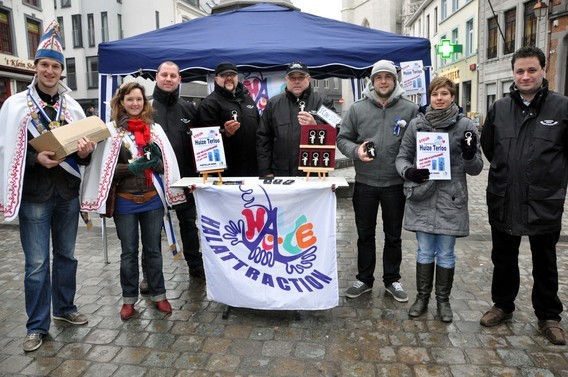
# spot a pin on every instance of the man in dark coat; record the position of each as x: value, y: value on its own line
x: 231, y: 107
x: 176, y: 116
x: 278, y: 138
x: 525, y: 138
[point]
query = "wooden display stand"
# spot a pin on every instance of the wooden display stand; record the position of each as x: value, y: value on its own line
x: 322, y: 172
x: 206, y: 173
x: 208, y: 151
x: 317, y: 149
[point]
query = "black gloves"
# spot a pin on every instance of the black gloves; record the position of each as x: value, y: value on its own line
x: 417, y: 175
x: 469, y: 145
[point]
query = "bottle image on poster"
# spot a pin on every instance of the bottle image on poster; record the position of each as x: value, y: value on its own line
x: 433, y: 153
x: 208, y: 148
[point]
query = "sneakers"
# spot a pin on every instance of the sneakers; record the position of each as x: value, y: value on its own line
x: 395, y: 289
x: 73, y: 318
x: 144, y: 290
x: 494, y: 316
x: 32, y: 342
x: 357, y: 289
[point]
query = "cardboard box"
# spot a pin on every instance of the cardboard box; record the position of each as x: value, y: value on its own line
x: 63, y: 140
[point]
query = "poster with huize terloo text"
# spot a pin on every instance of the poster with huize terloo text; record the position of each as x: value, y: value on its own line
x: 208, y: 149
x: 433, y: 153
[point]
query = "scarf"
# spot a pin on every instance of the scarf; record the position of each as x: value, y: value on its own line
x: 439, y: 116
x: 142, y: 137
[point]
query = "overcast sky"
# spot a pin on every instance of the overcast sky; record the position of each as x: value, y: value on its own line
x: 324, y: 8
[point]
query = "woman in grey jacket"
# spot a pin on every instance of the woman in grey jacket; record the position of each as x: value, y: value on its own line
x: 437, y: 210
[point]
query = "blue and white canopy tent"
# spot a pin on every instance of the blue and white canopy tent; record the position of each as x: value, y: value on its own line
x: 262, y: 37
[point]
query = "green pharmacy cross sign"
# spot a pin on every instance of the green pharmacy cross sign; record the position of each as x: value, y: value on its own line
x: 446, y: 48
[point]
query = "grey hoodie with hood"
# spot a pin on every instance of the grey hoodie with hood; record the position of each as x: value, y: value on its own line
x: 367, y: 120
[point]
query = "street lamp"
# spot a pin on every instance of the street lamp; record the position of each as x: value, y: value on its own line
x: 540, y: 9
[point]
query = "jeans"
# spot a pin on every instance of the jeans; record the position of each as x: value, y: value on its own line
x: 366, y: 201
x: 59, y: 217
x: 187, y: 215
x: 506, y: 275
x: 189, y: 234
x: 151, y: 234
x: 436, y: 247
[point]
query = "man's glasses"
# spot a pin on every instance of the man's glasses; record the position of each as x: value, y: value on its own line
x: 297, y: 78
x: 228, y: 75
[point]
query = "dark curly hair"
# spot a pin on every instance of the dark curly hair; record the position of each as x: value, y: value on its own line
x: 529, y: 52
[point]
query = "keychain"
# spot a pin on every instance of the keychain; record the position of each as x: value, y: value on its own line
x: 147, y: 152
x: 468, y: 137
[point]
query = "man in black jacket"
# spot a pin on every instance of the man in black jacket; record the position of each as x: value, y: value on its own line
x: 176, y: 116
x: 231, y: 107
x: 278, y: 137
x: 525, y: 137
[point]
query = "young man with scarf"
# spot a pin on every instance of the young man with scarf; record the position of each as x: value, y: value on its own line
x: 379, y: 118
x: 43, y: 192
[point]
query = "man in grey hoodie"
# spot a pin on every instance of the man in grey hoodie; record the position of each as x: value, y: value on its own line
x: 378, y: 120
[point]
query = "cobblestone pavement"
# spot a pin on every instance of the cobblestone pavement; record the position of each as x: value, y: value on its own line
x: 368, y: 336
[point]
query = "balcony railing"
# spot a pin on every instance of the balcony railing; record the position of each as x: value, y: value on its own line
x: 72, y: 80
x: 77, y: 38
x: 91, y: 34
x: 509, y: 47
x: 92, y: 80
x: 491, y: 52
x: 529, y: 40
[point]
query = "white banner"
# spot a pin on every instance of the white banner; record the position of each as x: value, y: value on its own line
x: 269, y: 246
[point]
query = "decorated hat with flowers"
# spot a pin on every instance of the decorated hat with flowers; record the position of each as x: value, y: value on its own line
x: 50, y: 45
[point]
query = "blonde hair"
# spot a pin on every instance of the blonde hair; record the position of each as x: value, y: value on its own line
x: 118, y: 111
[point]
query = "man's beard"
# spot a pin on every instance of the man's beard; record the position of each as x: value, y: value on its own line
x: 385, y: 96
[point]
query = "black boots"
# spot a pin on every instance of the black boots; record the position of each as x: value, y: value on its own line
x: 424, y: 278
x: 444, y: 282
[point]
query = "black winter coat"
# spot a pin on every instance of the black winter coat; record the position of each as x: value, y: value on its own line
x: 527, y: 147
x: 240, y: 148
x: 176, y: 116
x: 278, y: 138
